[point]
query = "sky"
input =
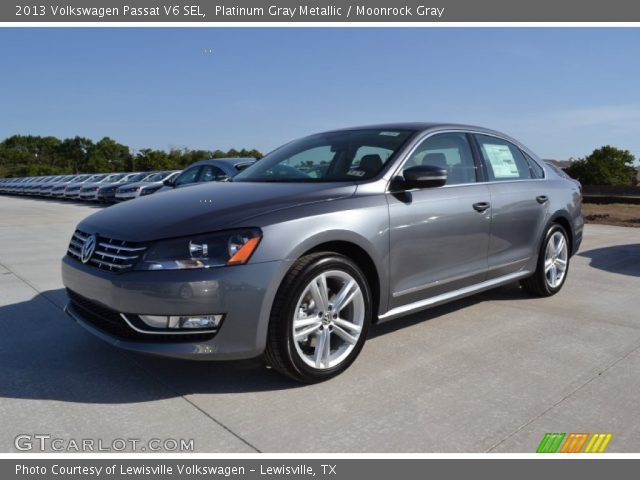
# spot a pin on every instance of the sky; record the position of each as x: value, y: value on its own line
x: 561, y: 91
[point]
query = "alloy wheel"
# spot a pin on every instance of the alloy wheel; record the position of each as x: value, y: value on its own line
x: 555, y: 259
x: 329, y: 317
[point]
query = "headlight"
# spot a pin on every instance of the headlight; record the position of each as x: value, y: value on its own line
x: 148, y: 191
x: 203, y: 251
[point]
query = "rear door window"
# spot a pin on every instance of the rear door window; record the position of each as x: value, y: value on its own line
x: 504, y: 161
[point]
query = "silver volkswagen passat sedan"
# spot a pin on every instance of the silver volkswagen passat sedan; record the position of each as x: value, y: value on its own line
x: 297, y: 256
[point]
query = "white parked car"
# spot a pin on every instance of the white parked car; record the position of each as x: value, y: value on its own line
x: 148, y: 185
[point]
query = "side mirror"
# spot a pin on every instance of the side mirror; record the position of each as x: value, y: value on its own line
x: 169, y: 182
x: 421, y: 176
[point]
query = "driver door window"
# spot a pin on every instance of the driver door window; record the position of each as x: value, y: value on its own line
x: 450, y: 151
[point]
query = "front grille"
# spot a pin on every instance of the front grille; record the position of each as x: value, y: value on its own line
x: 110, y: 254
x: 112, y: 323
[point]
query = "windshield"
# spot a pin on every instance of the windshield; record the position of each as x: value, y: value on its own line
x: 138, y: 177
x: 114, y: 177
x: 128, y: 177
x: 342, y: 156
x: 156, y: 177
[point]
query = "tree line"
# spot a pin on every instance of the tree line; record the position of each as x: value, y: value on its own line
x: 31, y: 155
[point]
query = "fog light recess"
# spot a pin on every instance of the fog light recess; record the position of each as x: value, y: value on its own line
x: 183, y: 322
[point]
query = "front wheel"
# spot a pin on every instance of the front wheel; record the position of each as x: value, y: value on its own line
x: 553, y: 264
x: 320, y: 318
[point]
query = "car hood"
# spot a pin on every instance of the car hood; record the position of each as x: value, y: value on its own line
x: 112, y: 184
x: 205, y: 208
x: 150, y: 184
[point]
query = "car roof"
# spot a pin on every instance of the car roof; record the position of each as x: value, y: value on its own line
x: 416, y: 126
x: 425, y: 126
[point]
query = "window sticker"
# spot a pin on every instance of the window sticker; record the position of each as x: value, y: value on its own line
x: 356, y: 173
x: 390, y: 134
x: 501, y: 160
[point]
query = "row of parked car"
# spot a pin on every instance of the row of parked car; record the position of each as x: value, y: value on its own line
x: 117, y: 187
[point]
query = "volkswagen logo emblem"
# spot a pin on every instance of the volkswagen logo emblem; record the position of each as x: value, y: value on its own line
x: 88, y: 248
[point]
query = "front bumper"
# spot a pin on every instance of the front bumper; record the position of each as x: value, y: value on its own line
x: 109, y: 196
x: 126, y: 195
x: 92, y: 195
x: 242, y: 293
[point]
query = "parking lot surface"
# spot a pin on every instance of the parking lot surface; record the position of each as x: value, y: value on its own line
x: 491, y: 373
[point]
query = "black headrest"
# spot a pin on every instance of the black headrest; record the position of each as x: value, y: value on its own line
x: 371, y: 163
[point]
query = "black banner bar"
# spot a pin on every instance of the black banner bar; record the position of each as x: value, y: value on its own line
x: 333, y: 469
x: 296, y: 11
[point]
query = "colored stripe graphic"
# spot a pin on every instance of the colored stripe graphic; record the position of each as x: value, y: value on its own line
x: 598, y: 443
x: 550, y: 443
x: 574, y: 443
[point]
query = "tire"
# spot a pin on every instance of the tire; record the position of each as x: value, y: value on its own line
x: 297, y: 350
x: 542, y: 283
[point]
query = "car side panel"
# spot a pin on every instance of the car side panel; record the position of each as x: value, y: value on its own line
x: 438, y: 241
x: 517, y: 222
x: 361, y: 220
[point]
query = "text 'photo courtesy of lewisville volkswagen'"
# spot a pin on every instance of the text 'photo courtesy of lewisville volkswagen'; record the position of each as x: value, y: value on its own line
x: 298, y: 254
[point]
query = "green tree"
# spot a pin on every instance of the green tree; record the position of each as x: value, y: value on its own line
x: 75, y: 152
x: 605, y: 166
x: 148, y: 159
x: 108, y: 155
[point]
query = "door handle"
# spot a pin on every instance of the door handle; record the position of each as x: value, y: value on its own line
x: 481, y: 206
x: 542, y: 199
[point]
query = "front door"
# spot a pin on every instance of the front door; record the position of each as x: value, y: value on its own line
x: 439, y: 236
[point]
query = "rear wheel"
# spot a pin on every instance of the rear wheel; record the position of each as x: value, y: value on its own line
x: 553, y: 264
x: 320, y: 318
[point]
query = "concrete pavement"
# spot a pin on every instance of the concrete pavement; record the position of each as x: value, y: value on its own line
x: 493, y: 372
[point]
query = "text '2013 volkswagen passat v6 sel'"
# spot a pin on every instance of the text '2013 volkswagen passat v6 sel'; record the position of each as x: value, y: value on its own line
x: 297, y: 256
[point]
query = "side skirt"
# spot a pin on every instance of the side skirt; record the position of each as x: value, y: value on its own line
x: 449, y: 296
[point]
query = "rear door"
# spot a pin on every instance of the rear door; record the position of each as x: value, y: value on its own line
x: 519, y: 205
x: 439, y: 236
